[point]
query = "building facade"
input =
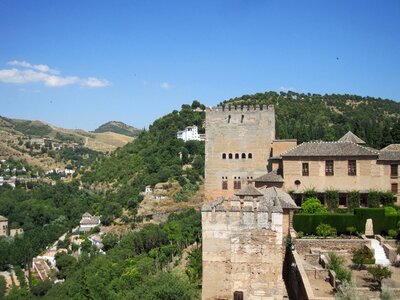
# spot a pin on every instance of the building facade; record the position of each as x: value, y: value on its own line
x: 238, y: 145
x: 190, y: 133
x: 243, y: 244
x: 3, y: 226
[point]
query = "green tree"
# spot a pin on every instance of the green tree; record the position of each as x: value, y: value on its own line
x: 379, y: 273
x: 361, y: 256
x: 313, y: 206
x: 2, y: 287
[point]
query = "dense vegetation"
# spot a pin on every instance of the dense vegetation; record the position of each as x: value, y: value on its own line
x: 26, y: 127
x: 328, y: 117
x: 137, y: 267
x: 118, y: 127
x: 75, y: 157
x: 152, y: 158
x: 45, y: 213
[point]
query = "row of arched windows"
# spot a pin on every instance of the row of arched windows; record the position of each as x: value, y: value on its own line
x: 237, y: 155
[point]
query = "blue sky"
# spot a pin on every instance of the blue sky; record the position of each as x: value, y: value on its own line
x: 78, y: 64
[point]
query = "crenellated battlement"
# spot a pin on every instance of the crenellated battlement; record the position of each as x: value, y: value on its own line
x: 240, y: 108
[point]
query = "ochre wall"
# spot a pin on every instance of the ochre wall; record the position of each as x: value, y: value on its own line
x: 370, y: 175
x: 240, y: 254
x: 247, y: 130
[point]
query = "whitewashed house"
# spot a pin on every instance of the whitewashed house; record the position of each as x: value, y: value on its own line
x: 190, y: 133
x: 88, y: 222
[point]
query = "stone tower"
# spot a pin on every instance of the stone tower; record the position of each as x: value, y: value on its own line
x: 238, y: 145
x: 243, y: 245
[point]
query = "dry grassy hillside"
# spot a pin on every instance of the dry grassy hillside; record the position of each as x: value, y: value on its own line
x: 13, y: 131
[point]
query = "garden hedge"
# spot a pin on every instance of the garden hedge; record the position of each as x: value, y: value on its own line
x: 307, y: 223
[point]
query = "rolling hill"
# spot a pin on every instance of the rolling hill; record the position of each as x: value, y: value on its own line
x: 118, y: 127
x: 15, y: 132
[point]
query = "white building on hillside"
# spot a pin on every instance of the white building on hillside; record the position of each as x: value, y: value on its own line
x: 88, y: 222
x: 190, y: 133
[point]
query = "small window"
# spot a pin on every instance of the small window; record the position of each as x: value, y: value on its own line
x: 250, y: 156
x: 352, y: 168
x: 243, y: 155
x: 224, y: 184
x: 237, y: 184
x: 395, y: 188
x: 230, y: 156
x: 223, y: 155
x: 238, y: 295
x: 329, y: 168
x: 305, y: 170
x: 241, y: 120
x: 229, y: 118
x: 394, y: 171
x: 237, y: 156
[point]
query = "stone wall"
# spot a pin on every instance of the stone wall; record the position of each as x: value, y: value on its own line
x: 237, y: 132
x: 304, y: 246
x: 242, y: 251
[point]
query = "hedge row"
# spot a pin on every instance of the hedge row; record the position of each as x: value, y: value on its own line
x: 307, y: 223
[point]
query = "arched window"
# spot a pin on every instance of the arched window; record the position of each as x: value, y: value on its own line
x: 250, y: 155
x: 230, y: 156
x: 241, y: 120
x: 244, y: 155
x: 223, y: 155
x: 229, y: 118
x: 237, y: 156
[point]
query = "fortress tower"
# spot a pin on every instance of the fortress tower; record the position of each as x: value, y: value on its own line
x: 238, y: 145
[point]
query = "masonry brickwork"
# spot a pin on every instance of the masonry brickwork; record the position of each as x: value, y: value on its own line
x: 238, y: 145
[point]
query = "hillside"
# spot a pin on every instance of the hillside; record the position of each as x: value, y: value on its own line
x: 328, y: 117
x: 118, y: 127
x: 15, y: 133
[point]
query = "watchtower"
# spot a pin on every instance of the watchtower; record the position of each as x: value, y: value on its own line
x: 238, y: 145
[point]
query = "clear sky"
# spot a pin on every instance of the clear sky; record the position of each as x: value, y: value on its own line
x: 78, y: 64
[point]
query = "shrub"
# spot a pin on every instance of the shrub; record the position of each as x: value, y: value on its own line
x: 337, y: 264
x: 351, y: 230
x: 325, y: 230
x: 387, y: 198
x: 353, y: 200
x: 363, y: 255
x: 313, y: 206
x: 390, y: 211
x: 379, y: 273
x: 332, y: 199
x: 300, y: 234
x: 392, y: 233
x: 373, y: 199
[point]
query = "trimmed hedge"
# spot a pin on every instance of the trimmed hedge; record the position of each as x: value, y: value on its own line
x: 307, y: 223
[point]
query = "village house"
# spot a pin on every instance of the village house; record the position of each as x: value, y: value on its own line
x: 190, y: 133
x: 6, y: 231
x: 88, y: 222
x: 3, y: 226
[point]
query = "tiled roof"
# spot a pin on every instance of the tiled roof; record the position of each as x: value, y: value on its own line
x: 284, y: 198
x: 269, y: 177
x: 86, y: 215
x: 329, y: 149
x: 3, y: 218
x: 391, y: 152
x: 351, y: 137
x: 249, y: 190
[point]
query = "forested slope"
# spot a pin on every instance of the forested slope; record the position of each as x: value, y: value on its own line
x: 328, y: 117
x: 152, y: 158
